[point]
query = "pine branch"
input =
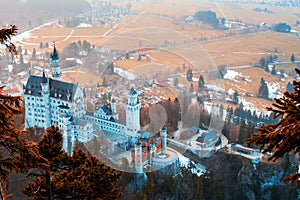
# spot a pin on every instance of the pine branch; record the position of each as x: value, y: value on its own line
x: 283, y: 137
x: 5, y: 37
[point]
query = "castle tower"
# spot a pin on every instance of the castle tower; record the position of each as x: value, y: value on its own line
x: 138, y: 157
x: 65, y: 126
x: 164, y: 140
x: 55, y: 63
x: 133, y: 113
x: 113, y: 106
x: 152, y: 152
x: 46, y: 101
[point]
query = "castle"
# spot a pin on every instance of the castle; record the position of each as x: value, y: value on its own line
x: 53, y: 101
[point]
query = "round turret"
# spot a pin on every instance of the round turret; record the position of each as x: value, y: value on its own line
x: 54, y: 60
x: 164, y: 140
x: 138, y: 157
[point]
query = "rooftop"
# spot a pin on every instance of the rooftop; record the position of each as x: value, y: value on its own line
x: 58, y: 89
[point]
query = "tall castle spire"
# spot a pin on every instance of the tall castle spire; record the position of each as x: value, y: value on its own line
x: 55, y: 63
x: 132, y: 109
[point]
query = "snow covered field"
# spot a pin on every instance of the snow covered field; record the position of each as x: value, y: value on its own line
x: 125, y: 74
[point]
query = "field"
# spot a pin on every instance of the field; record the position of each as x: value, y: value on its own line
x: 159, y: 23
x: 244, y: 12
x: 153, y: 30
x: 249, y: 49
x: 81, y: 76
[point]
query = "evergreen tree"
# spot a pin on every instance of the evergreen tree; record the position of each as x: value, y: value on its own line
x: 242, y: 132
x: 208, y: 17
x: 86, y: 46
x: 271, y: 60
x: 292, y: 58
x: 249, y: 130
x: 104, y: 83
x: 19, y: 49
x: 50, y: 148
x: 77, y: 177
x: 191, y: 88
x: 235, y: 97
x: 189, y: 75
x: 149, y: 186
x: 87, y: 178
x: 16, y: 153
x: 290, y: 87
x: 139, y: 57
x: 21, y: 59
x: 263, y: 62
x: 282, y: 137
x: 282, y: 27
x: 222, y: 70
x: 221, y: 111
x: 175, y: 81
x: 275, y: 57
x: 229, y: 113
x: 201, y: 83
x: 33, y: 56
x: 263, y: 90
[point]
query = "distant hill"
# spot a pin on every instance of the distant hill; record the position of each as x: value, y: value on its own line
x: 28, y: 13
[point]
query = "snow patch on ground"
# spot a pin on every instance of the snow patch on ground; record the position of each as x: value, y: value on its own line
x: 230, y: 74
x: 9, y: 68
x: 195, y: 79
x: 77, y: 60
x: 125, y: 74
x: 230, y: 91
x: 215, y: 88
x: 249, y: 106
x: 84, y: 25
x: 273, y: 90
x: 27, y: 34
